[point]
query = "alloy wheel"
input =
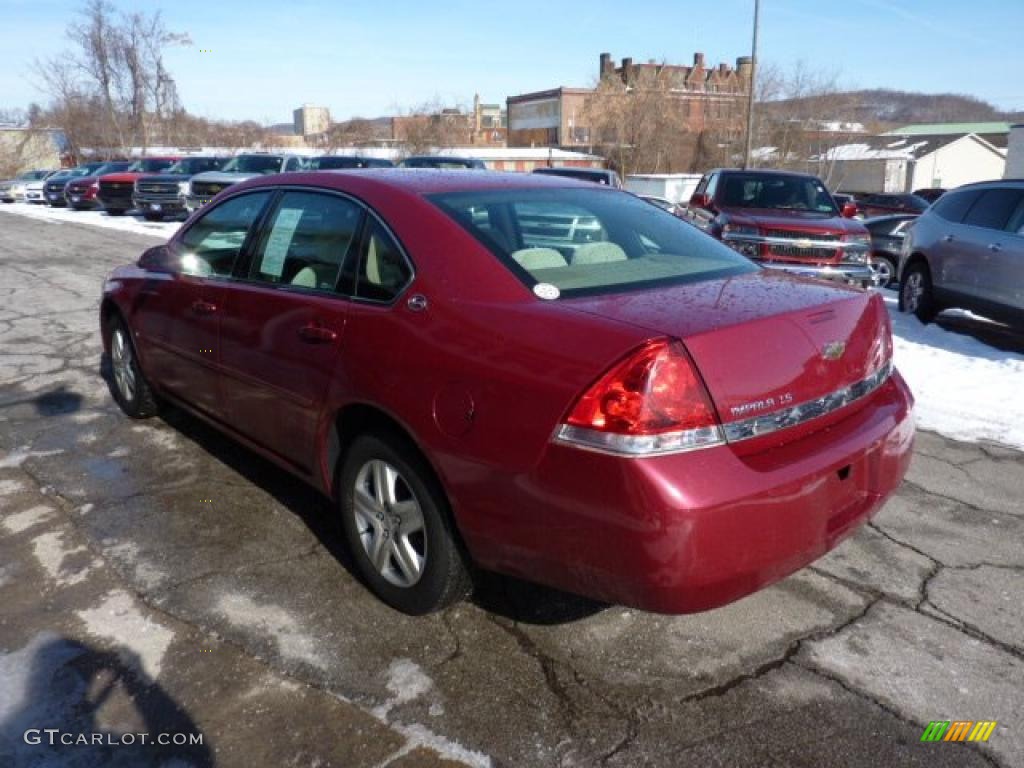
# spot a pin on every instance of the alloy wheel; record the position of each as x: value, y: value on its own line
x: 913, y: 290
x: 390, y: 523
x: 121, y: 362
x: 883, y: 272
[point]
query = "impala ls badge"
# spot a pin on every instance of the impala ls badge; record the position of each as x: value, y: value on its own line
x: 833, y: 350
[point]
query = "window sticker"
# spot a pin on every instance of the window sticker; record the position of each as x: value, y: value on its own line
x: 279, y: 241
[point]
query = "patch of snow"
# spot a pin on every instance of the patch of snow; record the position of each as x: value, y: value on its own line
x: 22, y: 521
x: 158, y: 229
x: 18, y: 457
x: 119, y: 452
x: 85, y: 509
x: 161, y: 438
x: 147, y: 574
x: 9, y: 487
x: 964, y: 389
x: 118, y: 619
x: 406, y: 682
x: 51, y: 552
x: 421, y: 736
x: 272, y: 620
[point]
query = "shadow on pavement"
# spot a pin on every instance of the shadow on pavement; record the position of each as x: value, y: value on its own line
x: 512, y: 598
x: 54, y: 403
x: 101, y: 702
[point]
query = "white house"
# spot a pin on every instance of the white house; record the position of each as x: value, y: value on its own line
x: 1015, y: 153
x: 897, y: 163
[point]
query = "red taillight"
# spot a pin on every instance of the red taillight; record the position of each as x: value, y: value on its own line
x: 651, y: 402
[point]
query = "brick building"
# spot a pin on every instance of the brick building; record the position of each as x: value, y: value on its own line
x: 714, y: 97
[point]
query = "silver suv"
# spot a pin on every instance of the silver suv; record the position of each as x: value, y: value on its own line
x: 967, y: 251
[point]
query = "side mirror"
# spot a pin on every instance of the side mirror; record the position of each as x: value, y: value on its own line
x: 160, y: 259
x: 700, y: 201
x: 849, y: 210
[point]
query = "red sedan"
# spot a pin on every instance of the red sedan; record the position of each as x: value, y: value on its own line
x: 521, y: 373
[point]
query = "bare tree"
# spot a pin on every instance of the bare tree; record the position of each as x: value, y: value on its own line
x: 431, y: 125
x: 112, y: 88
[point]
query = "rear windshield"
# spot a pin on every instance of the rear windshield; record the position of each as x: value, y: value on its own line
x: 794, y: 193
x: 599, y: 177
x: 589, y: 241
x: 445, y: 164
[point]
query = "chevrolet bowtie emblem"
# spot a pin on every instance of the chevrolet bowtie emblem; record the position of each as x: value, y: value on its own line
x: 833, y: 350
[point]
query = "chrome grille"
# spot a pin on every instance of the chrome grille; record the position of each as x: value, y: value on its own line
x: 790, y: 234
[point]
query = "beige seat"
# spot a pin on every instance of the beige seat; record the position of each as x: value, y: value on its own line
x: 539, y: 258
x: 316, y: 276
x: 598, y: 253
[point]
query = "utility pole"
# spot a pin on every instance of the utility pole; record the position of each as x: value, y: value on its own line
x: 750, y: 87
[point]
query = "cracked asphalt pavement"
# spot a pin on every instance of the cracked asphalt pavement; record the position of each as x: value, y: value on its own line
x: 156, y: 577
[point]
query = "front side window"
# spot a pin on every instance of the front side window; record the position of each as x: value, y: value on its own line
x: 585, y: 241
x: 308, y: 237
x: 794, y: 193
x: 212, y: 244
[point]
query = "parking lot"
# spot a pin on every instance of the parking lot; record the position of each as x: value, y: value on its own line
x: 201, y: 590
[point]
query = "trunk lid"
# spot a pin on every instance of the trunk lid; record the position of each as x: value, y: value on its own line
x: 762, y: 341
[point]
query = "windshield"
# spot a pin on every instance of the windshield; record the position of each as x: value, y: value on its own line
x: 265, y: 164
x: 333, y: 163
x: 149, y: 165
x: 586, y: 241
x: 790, y: 193
x: 190, y: 166
x: 110, y: 168
x: 33, y: 175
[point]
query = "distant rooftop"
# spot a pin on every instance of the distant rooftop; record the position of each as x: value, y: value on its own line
x: 944, y: 129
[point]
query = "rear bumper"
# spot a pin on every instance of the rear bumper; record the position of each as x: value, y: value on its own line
x: 692, y: 531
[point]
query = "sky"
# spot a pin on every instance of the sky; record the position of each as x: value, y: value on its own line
x: 373, y: 58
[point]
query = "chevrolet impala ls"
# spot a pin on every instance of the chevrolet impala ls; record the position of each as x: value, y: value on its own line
x: 526, y: 374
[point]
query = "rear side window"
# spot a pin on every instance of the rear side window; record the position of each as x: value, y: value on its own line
x: 383, y: 271
x: 993, y: 208
x: 306, y: 241
x: 212, y: 244
x: 953, y: 206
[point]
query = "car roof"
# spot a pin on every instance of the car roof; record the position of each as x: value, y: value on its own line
x: 763, y: 171
x: 421, y: 181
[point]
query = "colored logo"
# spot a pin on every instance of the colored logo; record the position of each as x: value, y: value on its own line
x: 833, y: 350
x: 958, y: 730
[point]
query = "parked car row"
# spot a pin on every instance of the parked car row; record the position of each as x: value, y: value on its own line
x: 25, y: 187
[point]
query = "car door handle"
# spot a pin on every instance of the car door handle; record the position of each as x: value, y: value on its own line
x: 948, y: 239
x: 995, y: 247
x: 317, y: 334
x: 201, y: 307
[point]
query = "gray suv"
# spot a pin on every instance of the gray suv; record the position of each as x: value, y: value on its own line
x: 967, y: 251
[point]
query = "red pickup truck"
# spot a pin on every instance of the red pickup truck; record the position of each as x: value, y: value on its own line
x: 116, y: 189
x: 783, y: 220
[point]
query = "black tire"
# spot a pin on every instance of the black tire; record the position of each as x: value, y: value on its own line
x: 916, y: 294
x: 444, y: 576
x: 887, y: 266
x: 136, y: 400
